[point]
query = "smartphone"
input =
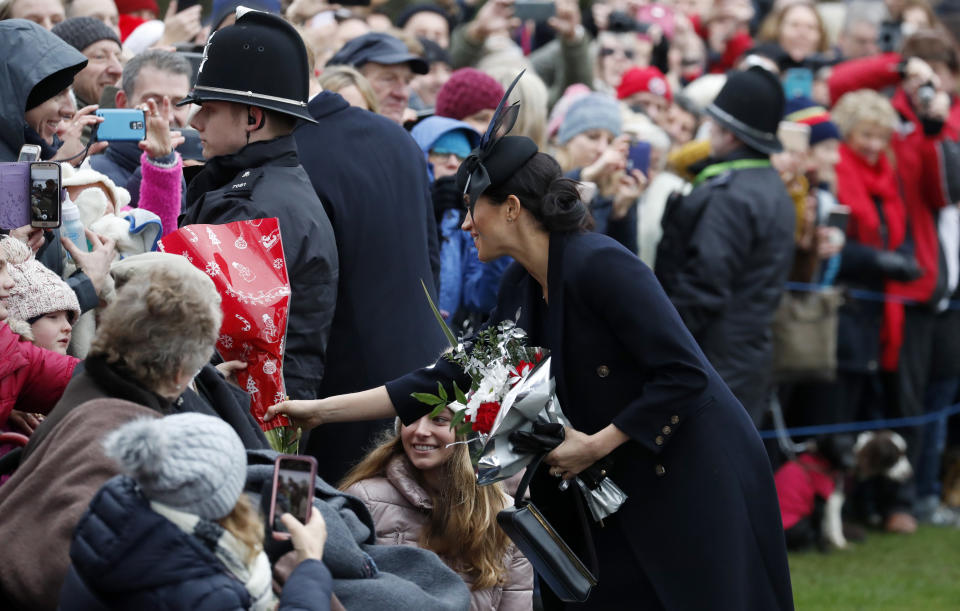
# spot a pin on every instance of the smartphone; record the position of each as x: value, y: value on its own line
x: 659, y: 15
x: 29, y: 152
x: 293, y: 479
x: 535, y: 10
x: 45, y: 194
x: 798, y: 83
x: 354, y: 2
x: 121, y: 124
x: 14, y: 190
x: 638, y: 157
x: 183, y: 5
x: 795, y: 137
x: 839, y: 217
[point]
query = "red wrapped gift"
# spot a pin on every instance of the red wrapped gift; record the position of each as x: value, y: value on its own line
x: 246, y: 263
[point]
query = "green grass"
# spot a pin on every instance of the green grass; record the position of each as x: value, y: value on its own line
x: 901, y: 572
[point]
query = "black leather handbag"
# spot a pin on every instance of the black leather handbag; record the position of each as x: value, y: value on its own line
x: 551, y: 557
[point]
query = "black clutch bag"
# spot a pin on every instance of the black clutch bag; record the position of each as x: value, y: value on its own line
x: 551, y: 557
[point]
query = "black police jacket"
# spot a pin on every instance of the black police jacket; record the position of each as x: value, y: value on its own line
x: 263, y: 180
x: 726, y: 251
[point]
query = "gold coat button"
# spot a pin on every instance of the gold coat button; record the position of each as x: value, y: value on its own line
x: 603, y: 371
x: 667, y: 430
x: 660, y: 470
x: 658, y: 440
x: 674, y: 419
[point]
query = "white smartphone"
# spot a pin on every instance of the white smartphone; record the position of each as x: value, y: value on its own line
x: 29, y: 152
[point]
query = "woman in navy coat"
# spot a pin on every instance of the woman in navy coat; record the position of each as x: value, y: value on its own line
x: 701, y: 527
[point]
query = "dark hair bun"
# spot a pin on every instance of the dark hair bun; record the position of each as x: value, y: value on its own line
x: 561, y: 209
x: 552, y: 199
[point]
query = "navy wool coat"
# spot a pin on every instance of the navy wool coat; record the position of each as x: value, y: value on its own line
x: 701, y: 528
x: 372, y: 180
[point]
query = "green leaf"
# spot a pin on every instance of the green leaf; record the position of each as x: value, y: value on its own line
x: 442, y: 392
x: 437, y: 411
x: 446, y: 330
x: 425, y: 397
x: 461, y: 398
x: 457, y: 418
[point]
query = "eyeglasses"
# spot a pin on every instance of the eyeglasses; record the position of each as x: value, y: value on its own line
x: 607, y: 52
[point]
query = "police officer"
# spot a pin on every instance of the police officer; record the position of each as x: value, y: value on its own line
x: 727, y: 247
x: 252, y: 90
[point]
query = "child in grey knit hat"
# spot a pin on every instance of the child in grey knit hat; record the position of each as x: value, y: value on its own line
x: 192, y: 469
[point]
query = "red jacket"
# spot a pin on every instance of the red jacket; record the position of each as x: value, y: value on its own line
x: 919, y: 162
x: 31, y: 379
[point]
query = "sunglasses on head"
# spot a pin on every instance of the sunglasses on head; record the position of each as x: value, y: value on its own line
x: 607, y: 52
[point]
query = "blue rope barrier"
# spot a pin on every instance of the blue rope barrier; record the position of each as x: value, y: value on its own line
x: 865, y: 425
x: 864, y: 294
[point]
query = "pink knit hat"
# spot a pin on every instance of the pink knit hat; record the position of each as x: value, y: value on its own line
x: 37, y: 290
x: 467, y: 92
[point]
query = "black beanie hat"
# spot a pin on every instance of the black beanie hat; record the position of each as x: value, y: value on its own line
x: 52, y: 85
x: 81, y: 32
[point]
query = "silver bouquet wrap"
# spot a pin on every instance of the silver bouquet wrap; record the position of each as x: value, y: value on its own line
x: 534, y: 400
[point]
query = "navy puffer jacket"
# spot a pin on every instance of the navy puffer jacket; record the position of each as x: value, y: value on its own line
x: 126, y: 556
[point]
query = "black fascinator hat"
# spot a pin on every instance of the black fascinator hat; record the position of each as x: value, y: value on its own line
x: 498, y: 156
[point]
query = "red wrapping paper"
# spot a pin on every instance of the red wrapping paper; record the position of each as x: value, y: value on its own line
x: 246, y: 263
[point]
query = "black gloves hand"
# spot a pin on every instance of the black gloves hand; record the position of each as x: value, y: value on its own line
x: 446, y: 196
x: 897, y: 266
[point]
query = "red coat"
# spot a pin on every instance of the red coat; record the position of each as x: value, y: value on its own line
x: 919, y: 162
x: 799, y: 483
x: 31, y: 379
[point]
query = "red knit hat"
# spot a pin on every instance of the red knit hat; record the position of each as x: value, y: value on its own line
x: 125, y: 7
x: 468, y: 92
x: 640, y: 80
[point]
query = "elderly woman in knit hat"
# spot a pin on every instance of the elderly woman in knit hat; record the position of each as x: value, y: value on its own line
x: 592, y: 150
x: 182, y: 495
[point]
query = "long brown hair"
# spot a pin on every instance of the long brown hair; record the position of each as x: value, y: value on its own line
x: 463, y: 523
x: 245, y: 524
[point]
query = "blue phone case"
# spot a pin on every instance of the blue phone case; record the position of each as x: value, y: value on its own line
x: 121, y: 124
x: 798, y: 83
x: 638, y: 157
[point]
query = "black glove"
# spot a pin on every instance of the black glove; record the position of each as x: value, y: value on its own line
x: 445, y: 196
x: 897, y: 266
x: 543, y: 438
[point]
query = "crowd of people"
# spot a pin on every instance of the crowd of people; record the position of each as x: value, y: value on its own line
x: 721, y: 217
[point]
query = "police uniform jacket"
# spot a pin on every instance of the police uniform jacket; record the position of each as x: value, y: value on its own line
x: 724, y: 258
x: 701, y: 524
x: 264, y: 180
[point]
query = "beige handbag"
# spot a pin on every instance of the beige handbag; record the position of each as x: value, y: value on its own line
x: 805, y: 336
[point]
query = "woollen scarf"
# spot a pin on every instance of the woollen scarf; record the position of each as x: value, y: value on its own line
x: 257, y: 576
x: 860, y: 184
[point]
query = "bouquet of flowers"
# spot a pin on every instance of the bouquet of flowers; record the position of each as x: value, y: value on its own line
x: 497, y: 361
x: 511, y: 389
x: 246, y: 263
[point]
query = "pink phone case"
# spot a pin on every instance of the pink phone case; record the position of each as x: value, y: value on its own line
x: 311, y: 471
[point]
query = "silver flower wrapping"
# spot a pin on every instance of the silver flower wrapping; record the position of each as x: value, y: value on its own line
x: 534, y: 400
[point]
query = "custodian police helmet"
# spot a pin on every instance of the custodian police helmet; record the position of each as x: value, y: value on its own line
x: 260, y: 61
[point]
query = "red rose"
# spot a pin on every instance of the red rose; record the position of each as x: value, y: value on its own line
x: 486, y: 414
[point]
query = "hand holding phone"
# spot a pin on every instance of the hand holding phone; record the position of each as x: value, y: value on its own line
x: 293, y: 482
x: 308, y: 539
x: 29, y: 152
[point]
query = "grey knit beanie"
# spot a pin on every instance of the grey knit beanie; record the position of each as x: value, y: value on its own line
x: 191, y: 462
x: 594, y: 111
x: 81, y: 32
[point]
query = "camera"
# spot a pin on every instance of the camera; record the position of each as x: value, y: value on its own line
x: 926, y: 93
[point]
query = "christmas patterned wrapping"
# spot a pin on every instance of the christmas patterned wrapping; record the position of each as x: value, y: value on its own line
x: 246, y: 263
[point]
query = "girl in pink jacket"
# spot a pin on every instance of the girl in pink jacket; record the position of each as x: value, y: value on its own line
x: 421, y: 491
